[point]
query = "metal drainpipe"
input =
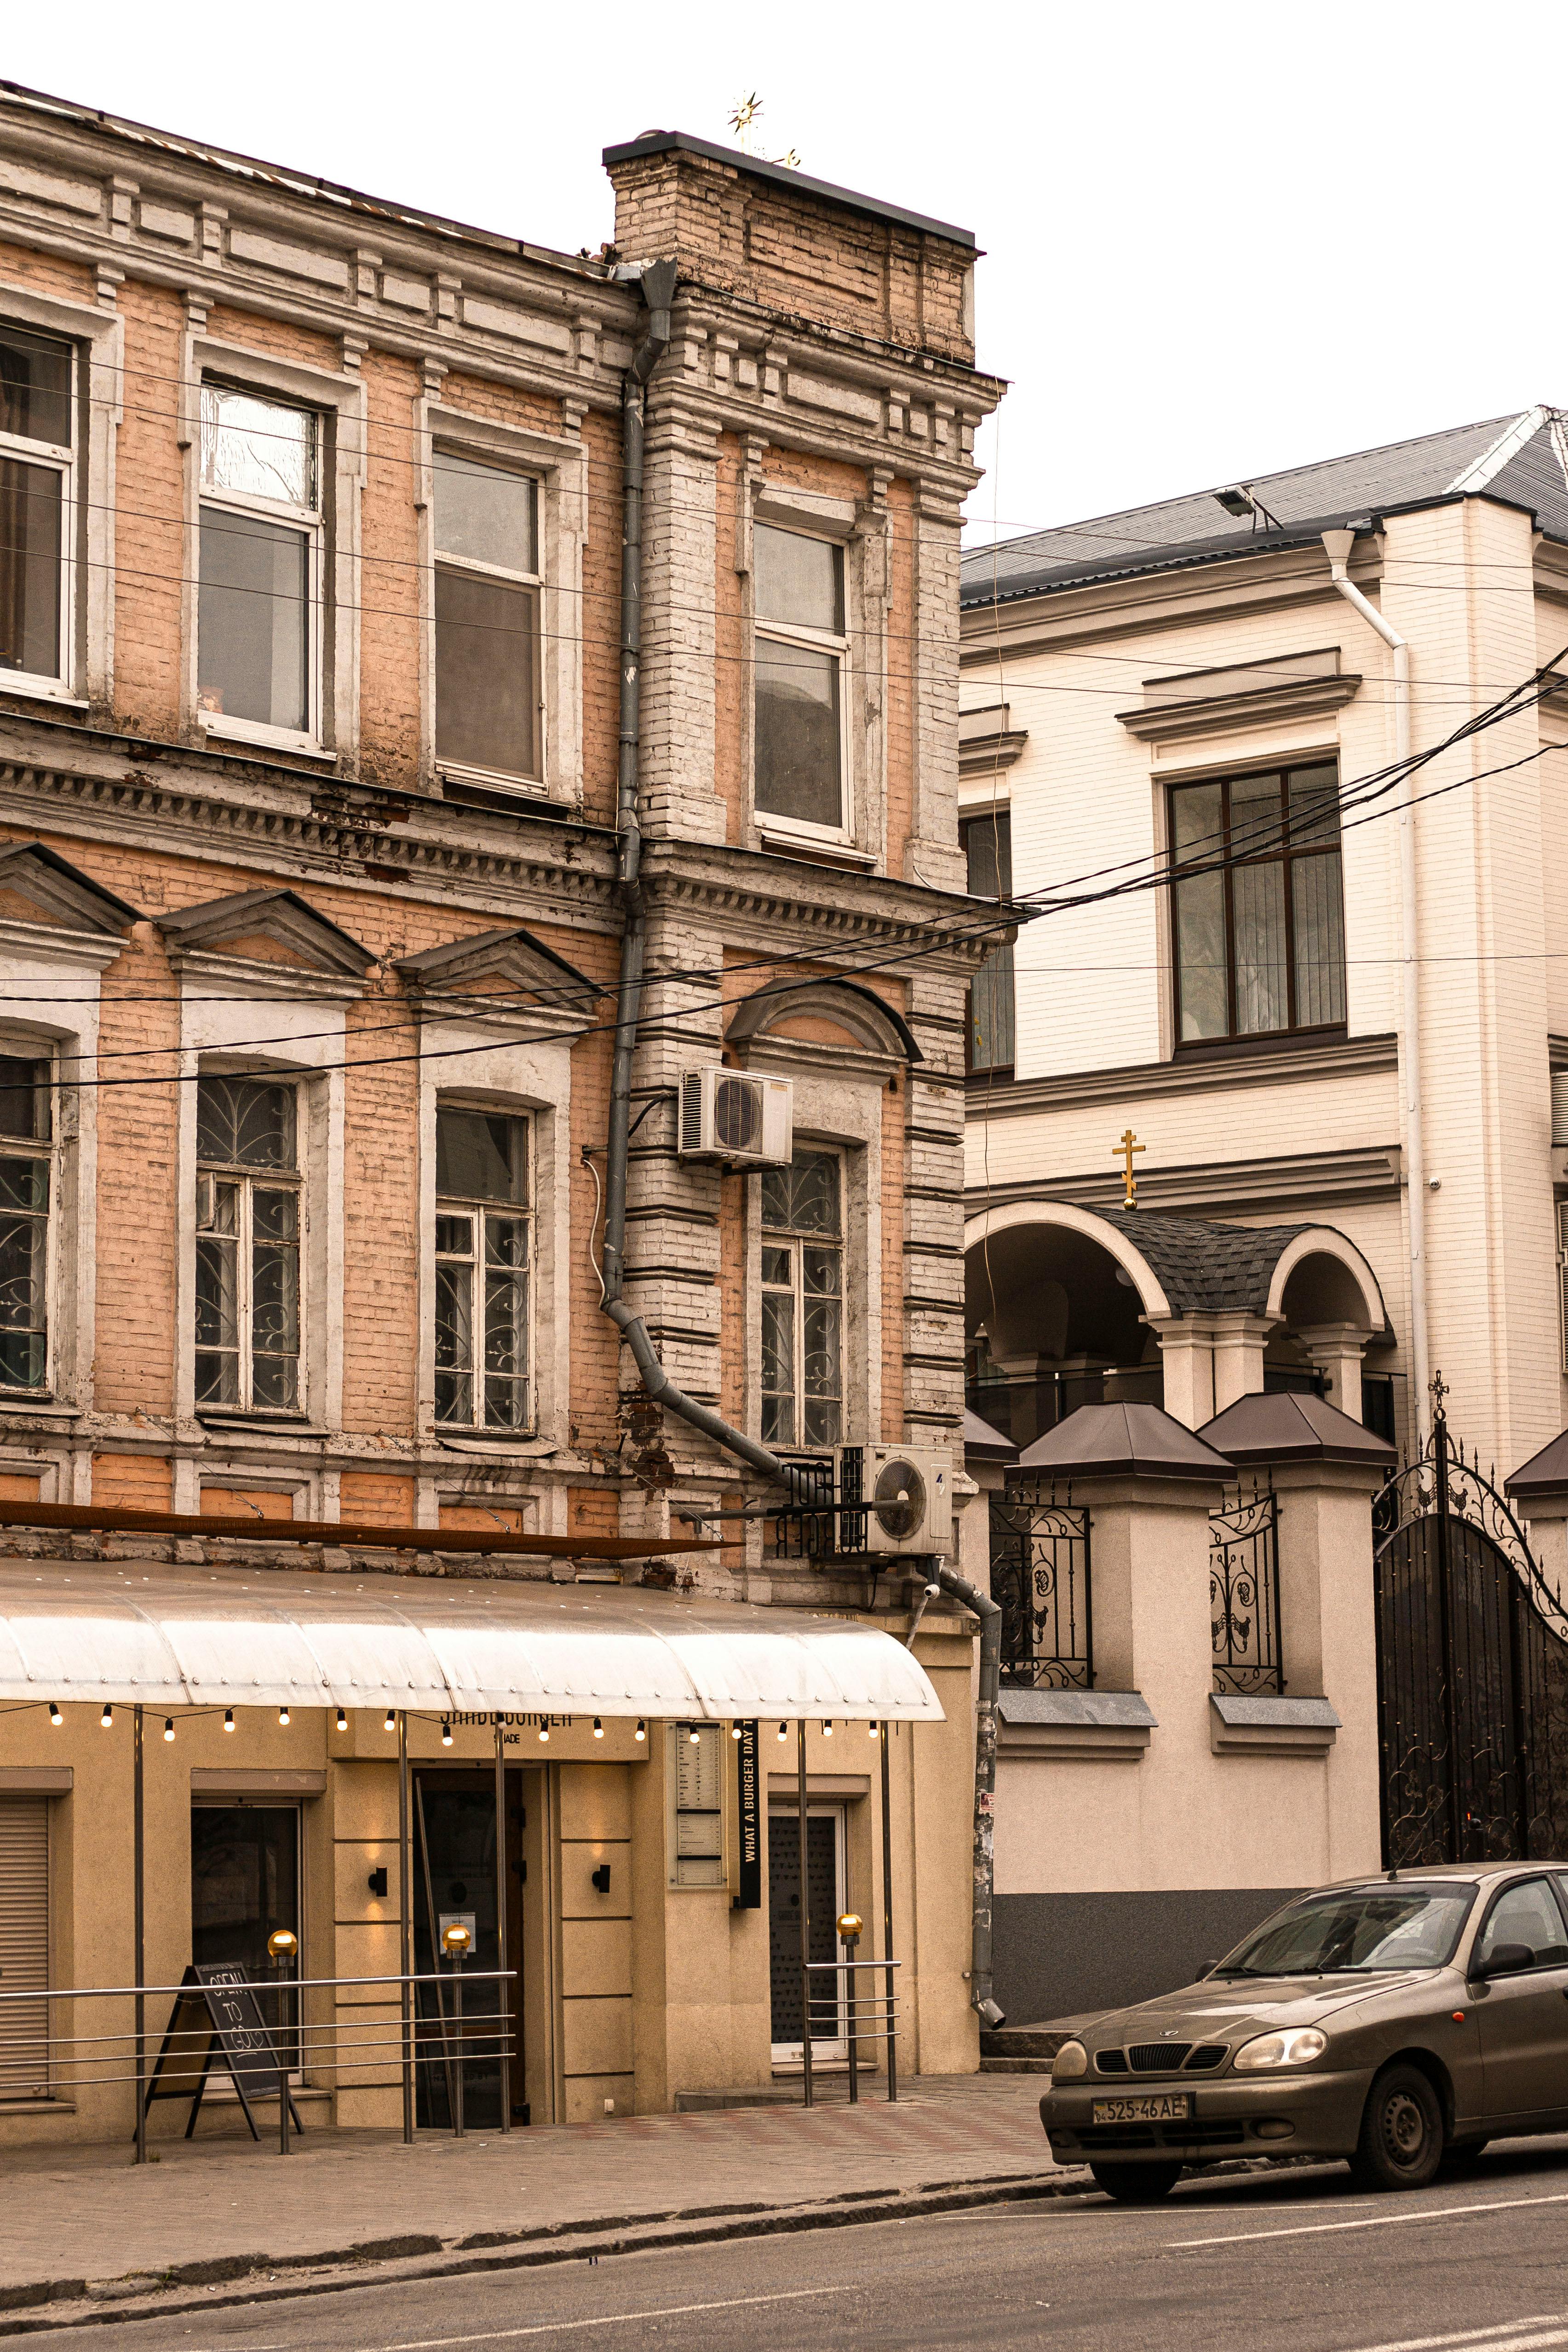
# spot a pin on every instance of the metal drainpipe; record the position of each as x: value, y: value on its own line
x: 1337, y: 545
x: 657, y: 281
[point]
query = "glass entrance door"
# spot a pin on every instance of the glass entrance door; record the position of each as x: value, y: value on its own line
x: 824, y: 1898
x: 455, y: 1878
x: 244, y: 1882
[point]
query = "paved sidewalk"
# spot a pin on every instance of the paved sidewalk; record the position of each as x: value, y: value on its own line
x: 89, y: 2213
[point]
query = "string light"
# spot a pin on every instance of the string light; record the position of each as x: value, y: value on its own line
x: 343, y: 1720
x: 734, y: 1731
x: 168, y: 1727
x: 389, y: 1725
x: 229, y: 1719
x: 641, y: 1731
x: 874, y: 1731
x: 446, y: 1735
x: 107, y: 1717
x: 783, y: 1733
x: 55, y: 1718
x: 828, y: 1731
x: 544, y: 1734
x: 283, y: 1717
x: 598, y: 1728
x: 694, y: 1736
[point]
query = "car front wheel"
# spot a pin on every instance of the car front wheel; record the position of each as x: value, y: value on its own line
x: 1136, y: 2184
x: 1400, y: 2143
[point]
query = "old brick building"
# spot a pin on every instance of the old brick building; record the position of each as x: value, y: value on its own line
x: 310, y: 694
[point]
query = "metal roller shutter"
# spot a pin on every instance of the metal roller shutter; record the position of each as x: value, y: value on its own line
x: 23, y: 1944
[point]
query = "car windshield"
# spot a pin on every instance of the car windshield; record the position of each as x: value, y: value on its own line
x: 1364, y: 1927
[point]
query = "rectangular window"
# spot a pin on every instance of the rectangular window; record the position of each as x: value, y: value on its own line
x: 802, y: 1301
x: 26, y: 1199
x: 481, y: 1270
x: 800, y: 656
x: 25, y: 1947
x: 488, y: 655
x: 988, y: 846
x: 1258, y: 914
x: 247, y: 1246
x: 258, y: 564
x: 37, y: 438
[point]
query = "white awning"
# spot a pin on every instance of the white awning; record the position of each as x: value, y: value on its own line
x: 170, y: 1637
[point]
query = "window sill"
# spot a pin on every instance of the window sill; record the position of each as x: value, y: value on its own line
x: 493, y: 779
x: 267, y: 739
x: 40, y: 690
x: 1272, y: 1041
x: 288, y: 1424
x: 499, y: 1441
x: 38, y: 1408
x: 823, y: 848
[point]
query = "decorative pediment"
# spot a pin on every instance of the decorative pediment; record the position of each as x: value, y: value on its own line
x: 507, y: 977
x: 275, y: 929
x: 832, y: 1023
x: 38, y: 886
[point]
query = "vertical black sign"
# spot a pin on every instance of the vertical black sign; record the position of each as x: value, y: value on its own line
x: 750, y: 1896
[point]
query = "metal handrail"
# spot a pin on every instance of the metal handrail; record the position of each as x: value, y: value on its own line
x: 870, y: 2017
x: 254, y: 1984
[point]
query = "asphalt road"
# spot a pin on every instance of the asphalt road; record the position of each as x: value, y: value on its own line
x: 1299, y: 2260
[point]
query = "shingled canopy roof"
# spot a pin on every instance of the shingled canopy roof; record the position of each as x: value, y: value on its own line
x: 1206, y: 1268
x: 1518, y: 459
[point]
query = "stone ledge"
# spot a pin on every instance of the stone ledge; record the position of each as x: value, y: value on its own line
x: 1098, y: 1726
x: 1270, y: 1725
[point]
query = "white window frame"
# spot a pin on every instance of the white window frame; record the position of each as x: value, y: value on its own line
x: 797, y: 1241
x: 311, y: 522
x: 481, y: 1212
x: 279, y: 1180
x: 338, y: 397
x: 1562, y: 1207
x: 87, y: 620
x: 53, y: 457
x: 558, y: 464
x: 19, y: 1148
x: 506, y: 779
x: 835, y: 644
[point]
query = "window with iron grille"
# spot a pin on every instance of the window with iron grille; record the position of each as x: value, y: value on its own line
x: 482, y: 1354
x: 37, y: 460
x: 27, y: 1189
x: 247, y: 1246
x: 802, y: 1301
x: 1259, y: 935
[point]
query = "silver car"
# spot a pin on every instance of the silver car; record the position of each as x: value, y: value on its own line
x: 1399, y: 2022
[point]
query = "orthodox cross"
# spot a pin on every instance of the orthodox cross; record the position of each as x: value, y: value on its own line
x: 1124, y: 1150
x: 1439, y: 1389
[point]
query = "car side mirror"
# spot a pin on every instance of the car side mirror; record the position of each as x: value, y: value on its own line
x: 1503, y: 1960
x: 1205, y: 1969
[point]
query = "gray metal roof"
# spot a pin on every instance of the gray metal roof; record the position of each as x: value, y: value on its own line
x: 1293, y: 1429
x: 1133, y: 1441
x: 1521, y: 458
x: 1206, y: 1268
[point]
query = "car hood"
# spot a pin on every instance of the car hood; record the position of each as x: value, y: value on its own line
x: 1221, y: 2010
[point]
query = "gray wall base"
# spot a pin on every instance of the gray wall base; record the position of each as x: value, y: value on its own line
x: 1065, y: 1954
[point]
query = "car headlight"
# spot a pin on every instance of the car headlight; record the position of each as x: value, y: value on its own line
x: 1070, y: 2061
x: 1297, y: 2049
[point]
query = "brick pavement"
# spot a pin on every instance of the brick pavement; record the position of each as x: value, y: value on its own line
x: 87, y: 2211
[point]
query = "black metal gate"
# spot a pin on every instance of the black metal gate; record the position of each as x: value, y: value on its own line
x: 1472, y: 1671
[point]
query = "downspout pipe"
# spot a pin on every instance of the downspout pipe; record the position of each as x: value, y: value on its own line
x: 658, y: 282
x: 1337, y: 545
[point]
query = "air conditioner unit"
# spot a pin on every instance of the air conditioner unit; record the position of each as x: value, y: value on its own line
x: 908, y: 1494
x: 729, y: 1115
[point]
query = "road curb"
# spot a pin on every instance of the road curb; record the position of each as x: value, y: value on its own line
x: 52, y: 2305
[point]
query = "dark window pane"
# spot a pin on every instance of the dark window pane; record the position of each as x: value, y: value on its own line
x: 454, y: 1397
x: 798, y: 580
x: 30, y: 500
x: 506, y: 1349
x: 24, y: 1293
x: 988, y: 844
x: 35, y: 387
x: 23, y: 1360
x: 245, y: 1883
x: 24, y: 1097
x: 274, y: 1299
x: 245, y: 1122
x: 484, y: 513
x: 1196, y: 824
x: 480, y: 1155
x: 1257, y: 816
x: 778, y: 1348
x: 820, y: 1422
x: 798, y: 742
x: 1315, y: 795
x: 487, y: 674
x: 217, y: 1293
x: 1320, y: 939
x: 25, y: 1184
x: 454, y: 1318
x: 821, y: 1371
x: 252, y: 625
x: 1200, y: 956
x: 275, y: 1384
x: 803, y: 1197
x: 1261, y: 1000
x: 454, y: 1236
x: 506, y: 1404
x: 777, y: 1264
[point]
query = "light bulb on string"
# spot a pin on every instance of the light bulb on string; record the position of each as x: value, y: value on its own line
x: 343, y: 1720
x: 598, y: 1728
x: 828, y: 1731
x: 695, y: 1736
x: 783, y: 1733
x: 229, y: 1719
x: 641, y: 1731
x: 874, y: 1731
x: 446, y: 1735
x: 55, y: 1718
x: 544, y: 1734
x: 107, y: 1717
x: 168, y: 1727
x: 283, y: 1717
x: 735, y: 1732
x: 390, y: 1723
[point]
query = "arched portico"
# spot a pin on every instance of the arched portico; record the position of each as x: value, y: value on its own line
x: 1067, y: 1305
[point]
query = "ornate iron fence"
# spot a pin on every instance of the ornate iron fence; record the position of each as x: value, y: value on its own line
x: 1244, y: 1595
x: 1040, y: 1576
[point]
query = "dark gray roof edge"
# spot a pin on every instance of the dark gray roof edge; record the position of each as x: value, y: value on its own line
x: 288, y: 180
x: 1189, y: 553
x: 780, y: 175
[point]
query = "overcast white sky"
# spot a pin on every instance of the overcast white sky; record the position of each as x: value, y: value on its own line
x: 1219, y: 240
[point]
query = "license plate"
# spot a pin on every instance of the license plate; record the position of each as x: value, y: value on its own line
x: 1151, y: 2107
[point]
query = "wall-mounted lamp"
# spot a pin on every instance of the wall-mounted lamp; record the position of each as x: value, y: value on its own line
x: 602, y: 1878
x: 377, y: 1881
